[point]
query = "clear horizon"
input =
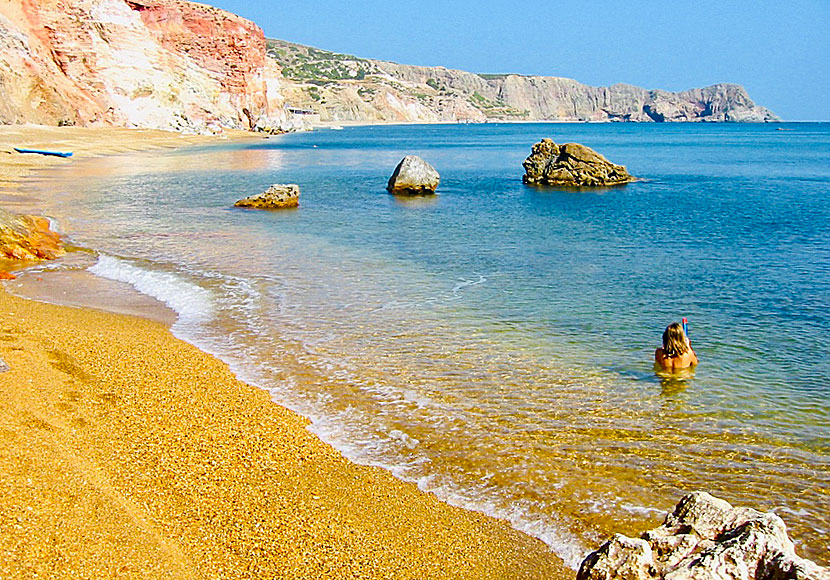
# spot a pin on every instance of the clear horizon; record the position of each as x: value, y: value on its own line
x: 779, y: 52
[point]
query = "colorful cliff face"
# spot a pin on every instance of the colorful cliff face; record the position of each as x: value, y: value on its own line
x: 164, y: 64
x: 177, y: 65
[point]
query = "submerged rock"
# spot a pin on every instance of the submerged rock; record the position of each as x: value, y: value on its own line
x: 278, y: 196
x: 704, y: 538
x: 26, y: 237
x: 413, y: 176
x: 571, y: 165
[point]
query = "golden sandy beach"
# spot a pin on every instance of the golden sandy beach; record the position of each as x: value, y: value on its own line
x: 82, y: 142
x: 127, y: 453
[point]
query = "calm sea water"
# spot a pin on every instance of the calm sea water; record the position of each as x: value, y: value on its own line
x: 495, y: 343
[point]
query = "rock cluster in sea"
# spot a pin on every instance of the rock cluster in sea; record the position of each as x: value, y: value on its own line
x: 704, y: 538
x: 278, y: 196
x: 571, y: 165
x: 413, y: 176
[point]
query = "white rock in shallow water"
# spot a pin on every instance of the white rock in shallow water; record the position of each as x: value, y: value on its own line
x: 413, y: 175
x: 704, y: 538
x: 277, y: 196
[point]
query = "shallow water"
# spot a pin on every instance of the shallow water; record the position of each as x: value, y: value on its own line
x: 495, y: 343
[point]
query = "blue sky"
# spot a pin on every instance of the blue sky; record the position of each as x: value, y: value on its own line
x: 779, y: 50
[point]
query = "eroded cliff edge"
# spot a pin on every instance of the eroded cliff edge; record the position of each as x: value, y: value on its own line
x: 164, y: 64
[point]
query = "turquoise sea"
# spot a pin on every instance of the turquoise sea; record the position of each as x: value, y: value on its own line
x: 495, y: 343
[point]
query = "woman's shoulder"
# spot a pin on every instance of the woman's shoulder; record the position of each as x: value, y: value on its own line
x: 685, y: 360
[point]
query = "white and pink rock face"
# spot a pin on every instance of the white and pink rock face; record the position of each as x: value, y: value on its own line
x: 704, y: 538
x: 166, y: 64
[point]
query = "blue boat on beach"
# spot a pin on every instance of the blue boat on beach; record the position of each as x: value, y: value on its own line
x: 44, y: 152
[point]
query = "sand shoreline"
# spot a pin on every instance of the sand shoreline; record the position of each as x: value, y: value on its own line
x: 129, y: 453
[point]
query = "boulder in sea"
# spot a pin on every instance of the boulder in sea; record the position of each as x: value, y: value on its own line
x: 571, y: 165
x: 413, y: 176
x: 278, y: 196
x: 704, y: 538
x: 26, y: 237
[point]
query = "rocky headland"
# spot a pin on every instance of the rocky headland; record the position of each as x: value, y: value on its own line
x: 177, y: 65
x: 344, y: 88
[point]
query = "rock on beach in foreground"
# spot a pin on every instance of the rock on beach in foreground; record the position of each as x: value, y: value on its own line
x: 24, y: 237
x: 571, y: 165
x: 413, y: 176
x: 704, y: 538
x: 278, y: 196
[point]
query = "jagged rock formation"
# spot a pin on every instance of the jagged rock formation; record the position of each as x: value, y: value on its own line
x: 278, y: 196
x: 571, y: 165
x: 166, y: 64
x: 413, y: 176
x: 24, y: 237
x: 347, y: 88
x: 705, y: 538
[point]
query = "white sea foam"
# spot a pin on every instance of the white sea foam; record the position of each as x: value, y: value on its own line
x: 55, y: 226
x: 456, y: 291
x: 372, y: 450
x: 191, y: 303
x: 196, y: 305
x: 641, y: 510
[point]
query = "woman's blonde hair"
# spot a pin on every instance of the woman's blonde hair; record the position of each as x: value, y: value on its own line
x: 675, y: 342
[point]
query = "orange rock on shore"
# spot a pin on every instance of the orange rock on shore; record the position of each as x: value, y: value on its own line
x: 25, y: 237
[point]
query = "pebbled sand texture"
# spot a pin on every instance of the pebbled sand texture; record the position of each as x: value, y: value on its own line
x: 126, y: 453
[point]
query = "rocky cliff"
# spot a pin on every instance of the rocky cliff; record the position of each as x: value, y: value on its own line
x: 346, y: 88
x: 164, y: 64
x: 172, y: 64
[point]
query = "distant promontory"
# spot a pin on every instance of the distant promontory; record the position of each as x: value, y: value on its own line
x: 177, y: 65
x: 342, y: 88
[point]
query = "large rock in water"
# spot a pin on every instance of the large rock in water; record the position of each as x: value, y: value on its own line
x: 413, y: 176
x: 704, y: 538
x: 25, y: 237
x: 278, y: 196
x: 571, y: 165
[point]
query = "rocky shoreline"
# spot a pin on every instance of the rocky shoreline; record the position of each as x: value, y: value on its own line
x: 704, y: 538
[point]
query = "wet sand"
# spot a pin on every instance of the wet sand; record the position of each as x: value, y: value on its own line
x: 82, y: 142
x: 127, y: 453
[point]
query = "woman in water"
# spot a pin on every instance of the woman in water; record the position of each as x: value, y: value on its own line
x: 676, y: 352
